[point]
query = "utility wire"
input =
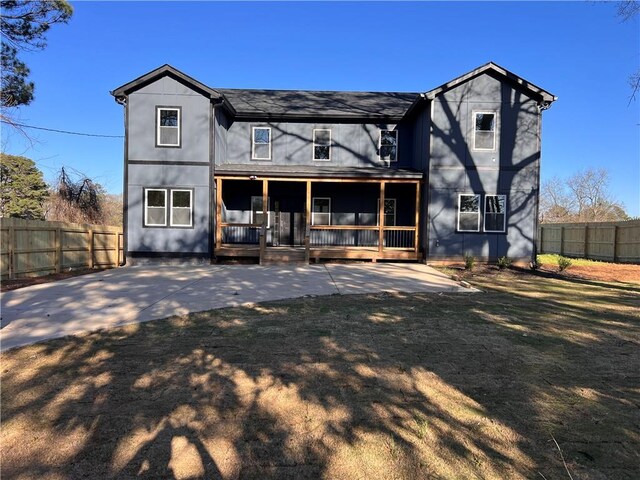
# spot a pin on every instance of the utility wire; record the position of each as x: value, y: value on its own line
x: 62, y: 131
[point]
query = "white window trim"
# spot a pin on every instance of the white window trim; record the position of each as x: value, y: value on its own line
x: 253, y: 142
x: 504, y: 214
x: 314, y: 145
x: 146, y: 207
x: 495, y: 128
x: 261, y: 212
x: 158, y: 110
x: 190, y: 208
x: 313, y: 201
x: 460, y: 195
x: 380, y: 145
x: 395, y: 221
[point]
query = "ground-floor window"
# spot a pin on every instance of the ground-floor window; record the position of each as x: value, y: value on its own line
x: 389, y: 212
x: 495, y: 213
x: 321, y: 211
x: 495, y: 218
x: 180, y: 213
x: 257, y: 211
x: 468, y: 213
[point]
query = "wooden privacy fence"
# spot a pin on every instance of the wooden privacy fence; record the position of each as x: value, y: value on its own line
x: 608, y: 241
x: 33, y: 247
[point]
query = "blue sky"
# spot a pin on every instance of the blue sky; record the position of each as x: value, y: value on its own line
x: 580, y: 51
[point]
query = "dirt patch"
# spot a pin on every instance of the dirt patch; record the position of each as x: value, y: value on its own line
x: 7, y: 285
x: 375, y: 386
x: 606, y: 272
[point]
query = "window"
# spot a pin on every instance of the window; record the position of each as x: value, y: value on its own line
x: 181, y: 208
x: 468, y: 213
x: 389, y: 212
x: 388, y: 148
x: 322, y: 144
x: 168, y: 124
x: 261, y: 149
x: 484, y: 135
x: 257, y: 211
x: 321, y: 211
x: 495, y: 208
x: 155, y: 207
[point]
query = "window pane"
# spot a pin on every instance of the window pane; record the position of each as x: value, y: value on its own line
x: 181, y: 199
x: 469, y: 221
x: 181, y: 216
x: 322, y: 137
x: 494, y: 222
x: 470, y: 203
x: 484, y: 140
x: 155, y: 216
x: 494, y: 203
x: 256, y: 204
x: 261, y: 150
x: 485, y: 122
x: 388, y: 153
x: 321, y: 205
x: 261, y: 135
x: 156, y: 198
x: 321, y: 218
x: 388, y: 137
x: 321, y: 153
x: 389, y: 206
x: 168, y: 118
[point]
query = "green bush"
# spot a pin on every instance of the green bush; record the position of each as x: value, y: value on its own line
x: 469, y: 261
x: 563, y: 263
x: 504, y: 262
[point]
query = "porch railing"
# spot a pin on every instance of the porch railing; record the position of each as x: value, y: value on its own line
x: 361, y: 236
x: 240, y: 233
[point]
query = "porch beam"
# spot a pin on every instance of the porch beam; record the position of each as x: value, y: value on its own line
x: 325, y: 179
x: 307, y: 221
x: 381, y: 217
x: 417, y: 221
x: 218, y: 213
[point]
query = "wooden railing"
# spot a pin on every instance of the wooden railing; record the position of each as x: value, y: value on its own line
x: 34, y: 247
x: 362, y: 236
x: 240, y: 233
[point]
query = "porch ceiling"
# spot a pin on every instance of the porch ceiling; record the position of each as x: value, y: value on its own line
x: 301, y: 171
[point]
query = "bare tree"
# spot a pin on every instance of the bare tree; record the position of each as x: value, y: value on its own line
x: 555, y: 201
x: 628, y: 9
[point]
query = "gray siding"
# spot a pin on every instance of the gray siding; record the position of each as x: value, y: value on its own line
x: 353, y: 145
x: 194, y: 125
x: 177, y: 240
x: 455, y: 167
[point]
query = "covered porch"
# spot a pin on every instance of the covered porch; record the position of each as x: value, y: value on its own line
x: 292, y: 217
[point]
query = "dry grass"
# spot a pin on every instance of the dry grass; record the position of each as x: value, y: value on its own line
x: 377, y: 386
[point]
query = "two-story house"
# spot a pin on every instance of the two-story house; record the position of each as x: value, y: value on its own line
x: 300, y: 175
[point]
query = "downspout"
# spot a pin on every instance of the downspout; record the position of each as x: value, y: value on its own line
x: 542, y: 106
x: 125, y: 179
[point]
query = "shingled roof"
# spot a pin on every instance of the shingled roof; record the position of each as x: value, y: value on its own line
x: 306, y: 103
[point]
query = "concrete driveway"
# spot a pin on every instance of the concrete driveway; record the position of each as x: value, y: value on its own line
x: 137, y: 294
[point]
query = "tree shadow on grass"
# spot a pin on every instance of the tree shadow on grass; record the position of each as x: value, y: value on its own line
x: 374, y: 386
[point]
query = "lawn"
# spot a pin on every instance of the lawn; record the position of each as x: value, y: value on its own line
x: 477, y: 385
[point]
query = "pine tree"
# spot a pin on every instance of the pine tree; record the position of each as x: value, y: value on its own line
x: 22, y: 188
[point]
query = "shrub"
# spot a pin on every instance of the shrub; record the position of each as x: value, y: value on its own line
x: 563, y: 263
x: 469, y: 261
x: 504, y: 262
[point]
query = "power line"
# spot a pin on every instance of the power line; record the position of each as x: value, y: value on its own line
x: 62, y: 131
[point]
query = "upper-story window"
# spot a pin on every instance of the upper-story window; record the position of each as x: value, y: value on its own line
x: 261, y: 143
x: 484, y: 134
x: 168, y: 132
x: 388, y: 147
x: 322, y: 144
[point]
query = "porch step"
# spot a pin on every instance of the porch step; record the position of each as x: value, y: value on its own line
x: 283, y: 255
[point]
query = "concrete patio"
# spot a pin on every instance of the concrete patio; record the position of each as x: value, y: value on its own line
x: 137, y: 294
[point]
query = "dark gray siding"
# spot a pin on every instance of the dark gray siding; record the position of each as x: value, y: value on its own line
x: 353, y: 145
x: 151, y: 166
x: 455, y: 168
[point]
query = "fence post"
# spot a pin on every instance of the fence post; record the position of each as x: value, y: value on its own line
x: 91, y: 259
x: 115, y: 249
x: 10, y: 247
x: 561, y: 241
x: 615, y: 243
x: 586, y: 241
x: 58, y: 247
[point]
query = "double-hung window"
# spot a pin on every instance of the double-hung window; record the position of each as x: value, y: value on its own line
x: 168, y: 127
x: 322, y: 144
x: 257, y: 212
x: 388, y: 145
x: 261, y: 143
x: 321, y: 211
x: 484, y: 133
x: 468, y: 213
x: 495, y: 209
x: 171, y: 207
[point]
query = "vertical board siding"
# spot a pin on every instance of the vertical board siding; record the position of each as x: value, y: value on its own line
x: 32, y: 248
x: 607, y: 241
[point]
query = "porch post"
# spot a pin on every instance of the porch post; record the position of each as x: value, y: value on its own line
x: 307, y: 221
x: 265, y: 217
x: 381, y: 217
x: 417, y: 221
x: 218, y: 212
